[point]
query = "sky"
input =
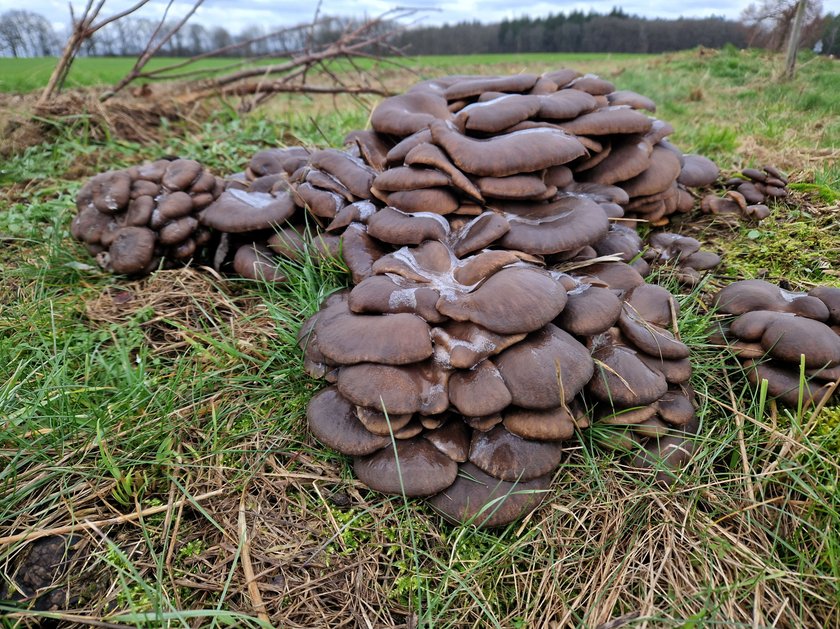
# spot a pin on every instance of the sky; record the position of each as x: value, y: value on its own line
x: 236, y: 15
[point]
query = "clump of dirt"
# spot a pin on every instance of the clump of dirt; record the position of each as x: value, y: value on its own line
x: 137, y: 117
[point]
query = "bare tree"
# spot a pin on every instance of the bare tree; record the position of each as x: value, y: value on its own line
x: 771, y: 21
x: 26, y: 34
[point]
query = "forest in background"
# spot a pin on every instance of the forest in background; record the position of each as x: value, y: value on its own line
x: 28, y: 34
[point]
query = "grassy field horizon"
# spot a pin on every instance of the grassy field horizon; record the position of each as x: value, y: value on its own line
x: 153, y: 432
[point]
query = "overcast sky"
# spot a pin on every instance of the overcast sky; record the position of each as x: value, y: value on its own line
x: 236, y: 15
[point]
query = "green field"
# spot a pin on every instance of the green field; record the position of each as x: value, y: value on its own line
x: 170, y: 411
x: 24, y: 75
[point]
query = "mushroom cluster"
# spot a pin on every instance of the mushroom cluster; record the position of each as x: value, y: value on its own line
x: 749, y: 194
x: 132, y: 219
x: 498, y: 303
x: 790, y: 339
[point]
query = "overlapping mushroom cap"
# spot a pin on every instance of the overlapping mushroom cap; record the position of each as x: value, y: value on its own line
x: 783, y: 337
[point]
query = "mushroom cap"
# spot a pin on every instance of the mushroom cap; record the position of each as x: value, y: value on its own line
x: 409, y: 178
x: 631, y: 99
x: 436, y: 200
x: 452, y: 438
x: 623, y: 380
x: 237, y: 211
x: 514, y: 187
x: 413, y: 467
x: 500, y: 113
x: 332, y: 419
x: 382, y: 294
x: 480, y: 232
x: 592, y: 84
x: 660, y: 175
x: 608, y: 121
x: 517, y: 299
x: 381, y: 424
x: 275, y: 161
x: 675, y: 371
x: 408, y: 113
x: 483, y: 500
x: 473, y: 86
x: 463, y: 344
x: 617, y: 275
x: 132, y: 250
x: 830, y: 296
x: 350, y: 171
x: 554, y: 424
x: 698, y: 171
x: 675, y: 408
x: 589, y: 310
x: 649, y: 338
x: 256, y: 262
x: 427, y: 154
x: 626, y: 160
x: 784, y: 383
x: 509, y: 154
x: 564, y: 225
x: 396, y: 339
x: 786, y: 338
x: 479, y: 391
x: 404, y: 228
x: 653, y: 304
x: 109, y: 191
x: 620, y: 240
x: 546, y: 370
x: 360, y: 251
x: 508, y: 457
x: 420, y: 387
x: 181, y: 173
x: 566, y: 105
x: 747, y: 295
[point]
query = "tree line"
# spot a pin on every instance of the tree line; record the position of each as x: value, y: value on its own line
x: 27, y: 34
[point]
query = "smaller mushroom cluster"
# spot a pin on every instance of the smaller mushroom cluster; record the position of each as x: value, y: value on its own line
x: 790, y: 339
x: 684, y: 253
x: 132, y: 219
x: 749, y: 194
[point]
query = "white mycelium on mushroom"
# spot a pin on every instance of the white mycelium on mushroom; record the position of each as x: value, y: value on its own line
x: 498, y: 304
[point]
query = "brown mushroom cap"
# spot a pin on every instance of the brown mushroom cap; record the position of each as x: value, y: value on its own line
x: 830, y: 296
x: 626, y: 160
x: 564, y: 225
x: 509, y: 154
x: 623, y: 380
x: 408, y: 113
x: 110, y: 191
x: 546, y: 370
x: 332, y: 419
x: 479, y: 233
x: 237, y: 211
x: 785, y: 383
x: 401, y: 389
x: 131, y: 251
x: 452, y: 438
x: 517, y: 299
x: 500, y: 113
x: 404, y: 228
x: 483, y: 500
x: 508, y: 457
x: 649, y: 338
x: 660, y: 175
x: 255, y: 262
x: 631, y: 99
x: 789, y: 337
x: 698, y: 171
x: 473, y: 86
x: 382, y: 294
x: 479, y: 391
x: 397, y: 339
x: 463, y: 344
x: 747, y: 295
x: 412, y: 467
x: 590, y: 310
x: 608, y: 121
x: 566, y: 105
x: 654, y: 304
x: 554, y: 424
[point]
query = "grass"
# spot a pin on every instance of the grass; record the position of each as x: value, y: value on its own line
x: 165, y: 418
